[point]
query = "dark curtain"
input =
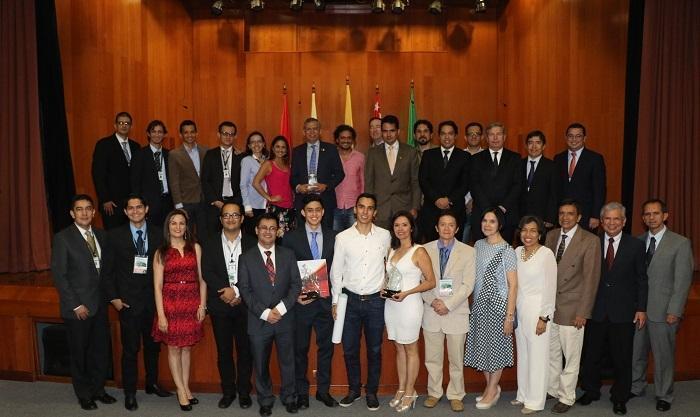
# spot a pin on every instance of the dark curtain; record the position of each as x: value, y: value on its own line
x: 668, y: 148
x: 25, y: 244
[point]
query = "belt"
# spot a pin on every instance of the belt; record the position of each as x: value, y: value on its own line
x: 359, y: 297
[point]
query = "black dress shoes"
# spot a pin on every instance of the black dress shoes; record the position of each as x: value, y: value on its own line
x: 265, y: 410
x: 662, y: 405
x: 130, y: 402
x: 226, y: 401
x: 105, y: 398
x: 245, y: 401
x: 303, y: 402
x: 586, y: 399
x: 326, y: 399
x: 155, y: 389
x: 292, y: 407
x: 620, y: 409
x: 87, y: 404
x: 193, y: 400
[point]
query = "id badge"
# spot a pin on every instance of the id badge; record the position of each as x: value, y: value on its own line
x: 140, y: 264
x: 232, y: 268
x: 227, y: 174
x: 160, y: 176
x: 445, y: 287
x: 96, y: 260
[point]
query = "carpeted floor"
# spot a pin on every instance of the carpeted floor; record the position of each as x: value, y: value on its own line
x: 20, y: 399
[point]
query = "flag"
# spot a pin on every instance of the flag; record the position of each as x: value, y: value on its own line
x: 313, y: 102
x: 377, y: 110
x: 284, y: 119
x: 348, y: 103
x: 411, y: 118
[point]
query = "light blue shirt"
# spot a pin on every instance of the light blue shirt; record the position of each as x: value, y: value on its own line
x: 251, y: 199
x: 135, y: 236
x: 319, y: 237
x: 449, y: 247
x: 194, y: 156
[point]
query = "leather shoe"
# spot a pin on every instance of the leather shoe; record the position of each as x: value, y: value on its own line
x: 244, y: 401
x: 130, y: 402
x: 193, y: 400
x: 265, y: 410
x: 662, y: 405
x: 430, y: 401
x: 226, y: 400
x: 155, y: 389
x: 560, y: 408
x: 302, y: 402
x: 620, y: 409
x: 586, y: 399
x: 87, y: 404
x: 326, y: 399
x: 456, y: 405
x: 349, y: 399
x: 105, y: 398
x: 291, y: 407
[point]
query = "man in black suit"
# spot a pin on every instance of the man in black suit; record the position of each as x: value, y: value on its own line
x: 620, y: 305
x: 581, y: 175
x: 221, y: 175
x: 496, y: 182
x: 317, y: 169
x: 539, y: 195
x: 313, y: 241
x: 79, y: 252
x: 149, y: 174
x: 128, y: 285
x: 269, y: 281
x: 229, y: 316
x: 111, y: 161
x: 444, y: 180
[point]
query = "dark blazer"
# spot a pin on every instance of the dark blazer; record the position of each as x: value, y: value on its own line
x: 329, y: 171
x: 110, y: 171
x: 259, y: 294
x: 136, y: 290
x: 214, y: 271
x: 622, y: 290
x: 298, y: 242
x: 437, y: 181
x: 144, y: 174
x: 74, y: 273
x: 213, y: 176
x: 501, y: 187
x: 541, y: 199
x: 587, y: 185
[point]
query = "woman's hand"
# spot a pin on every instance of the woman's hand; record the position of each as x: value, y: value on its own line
x: 399, y: 297
x: 249, y: 214
x: 163, y: 324
x: 508, y: 326
x: 275, y: 198
x: 541, y: 327
x: 201, y: 313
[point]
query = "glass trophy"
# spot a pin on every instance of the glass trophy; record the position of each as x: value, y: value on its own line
x: 313, y: 181
x: 394, y: 282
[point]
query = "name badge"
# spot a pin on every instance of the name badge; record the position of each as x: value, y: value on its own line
x: 140, y: 264
x: 227, y: 174
x: 160, y: 176
x: 232, y: 270
x: 96, y: 260
x: 445, y: 287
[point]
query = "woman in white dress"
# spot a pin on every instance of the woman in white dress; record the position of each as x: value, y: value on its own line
x: 403, y: 312
x: 537, y: 288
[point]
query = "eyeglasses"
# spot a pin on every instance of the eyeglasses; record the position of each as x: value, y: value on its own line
x: 227, y: 216
x: 228, y: 134
x: 272, y: 229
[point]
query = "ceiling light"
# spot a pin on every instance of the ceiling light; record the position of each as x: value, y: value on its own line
x: 257, y: 5
x: 319, y: 5
x: 435, y: 7
x: 378, y: 6
x: 398, y: 6
x: 217, y: 8
x: 296, y: 4
x: 480, y: 6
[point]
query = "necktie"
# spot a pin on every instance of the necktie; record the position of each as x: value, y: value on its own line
x: 610, y: 253
x: 392, y: 159
x: 572, y: 165
x: 127, y: 155
x: 443, y: 261
x: 562, y: 246
x: 270, y: 268
x: 314, y: 246
x: 159, y: 166
x: 651, y: 250
x: 140, y: 247
x: 90, y: 239
x: 531, y: 174
x: 312, y: 160
x: 445, y: 159
x: 495, y: 163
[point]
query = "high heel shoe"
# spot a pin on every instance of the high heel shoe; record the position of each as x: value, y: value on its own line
x: 397, y: 399
x: 485, y: 406
x: 479, y: 397
x: 403, y: 406
x: 186, y: 407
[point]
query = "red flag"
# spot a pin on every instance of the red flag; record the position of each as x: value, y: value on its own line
x: 284, y: 119
x: 377, y: 110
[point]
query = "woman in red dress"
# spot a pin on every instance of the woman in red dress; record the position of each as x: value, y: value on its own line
x: 180, y: 294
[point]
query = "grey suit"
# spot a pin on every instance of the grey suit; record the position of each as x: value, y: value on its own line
x: 670, y: 274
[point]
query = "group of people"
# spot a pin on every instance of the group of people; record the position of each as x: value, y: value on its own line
x: 564, y: 291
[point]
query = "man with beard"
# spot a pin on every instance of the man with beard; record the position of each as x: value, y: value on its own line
x: 423, y: 135
x: 354, y: 182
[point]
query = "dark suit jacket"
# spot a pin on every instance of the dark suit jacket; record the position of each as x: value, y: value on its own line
x: 297, y: 241
x: 144, y: 174
x: 213, y: 176
x: 110, y: 171
x: 136, y: 290
x: 499, y: 188
x: 587, y: 185
x: 329, y: 171
x: 541, y: 199
x: 451, y: 181
x: 622, y: 290
x: 74, y: 273
x: 259, y: 294
x: 214, y: 270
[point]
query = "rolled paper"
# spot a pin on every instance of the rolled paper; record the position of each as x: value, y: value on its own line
x: 340, y: 318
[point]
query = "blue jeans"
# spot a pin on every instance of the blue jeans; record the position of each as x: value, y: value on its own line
x: 370, y: 315
x: 343, y: 218
x: 467, y: 228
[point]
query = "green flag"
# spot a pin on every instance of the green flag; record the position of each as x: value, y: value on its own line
x: 411, y: 119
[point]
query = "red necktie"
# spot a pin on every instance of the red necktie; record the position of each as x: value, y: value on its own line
x: 270, y: 267
x: 610, y: 253
x: 572, y: 164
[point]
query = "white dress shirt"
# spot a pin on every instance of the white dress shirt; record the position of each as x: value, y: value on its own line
x: 616, y: 244
x: 162, y: 167
x: 232, y: 250
x: 569, y: 235
x: 227, y: 191
x: 658, y: 236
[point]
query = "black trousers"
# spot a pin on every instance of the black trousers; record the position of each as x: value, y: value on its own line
x: 318, y: 316
x: 135, y: 328
x: 617, y: 340
x: 197, y: 222
x: 261, y: 346
x: 158, y: 208
x: 117, y: 218
x: 227, y: 328
x: 88, y: 342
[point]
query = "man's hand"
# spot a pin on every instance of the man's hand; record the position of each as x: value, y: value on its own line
x: 227, y: 294
x: 303, y: 188
x: 579, y: 322
x: 302, y: 301
x: 640, y: 318
x: 119, y: 304
x: 274, y: 316
x: 82, y: 312
x: 442, y: 203
x: 109, y: 207
x: 593, y: 223
x: 414, y: 213
x: 235, y: 302
x: 334, y: 311
x: 439, y: 307
x: 218, y: 204
x: 671, y: 319
x: 320, y: 187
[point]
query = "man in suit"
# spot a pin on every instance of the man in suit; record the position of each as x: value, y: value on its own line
x: 79, y: 252
x: 578, y: 256
x: 221, y: 175
x: 313, y: 241
x: 229, y: 315
x: 269, y: 282
x: 129, y: 287
x: 183, y: 175
x: 321, y: 173
x: 375, y: 132
x: 446, y: 311
x: 473, y: 136
x: 620, y: 307
x: 111, y: 162
x: 391, y: 174
x: 669, y: 262
x: 423, y: 135
x: 539, y: 196
x: 149, y: 174
x: 581, y: 175
x: 496, y: 182
x: 444, y: 180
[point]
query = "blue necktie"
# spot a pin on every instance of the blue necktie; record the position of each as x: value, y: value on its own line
x: 314, y: 246
x: 444, y: 256
x: 312, y: 160
x: 139, y: 243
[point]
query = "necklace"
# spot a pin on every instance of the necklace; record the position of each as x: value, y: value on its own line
x: 525, y: 255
